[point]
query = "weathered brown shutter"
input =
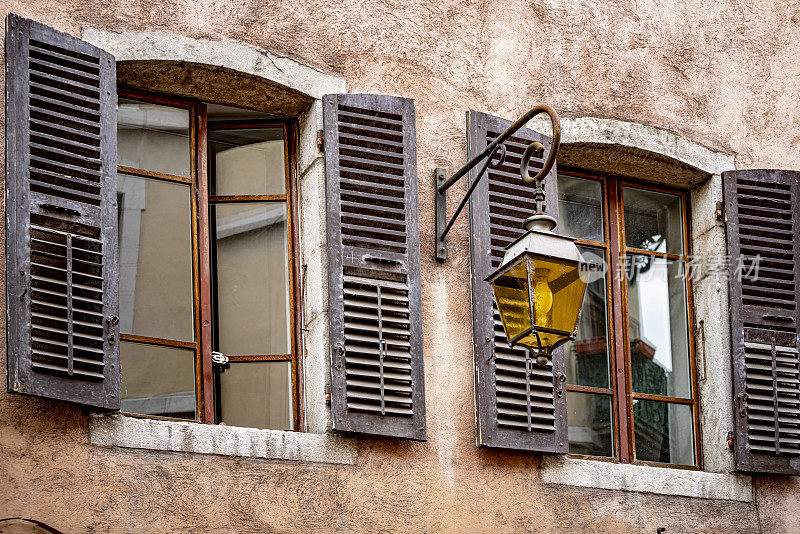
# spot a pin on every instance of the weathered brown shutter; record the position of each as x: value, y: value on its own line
x: 519, y: 405
x: 762, y: 210
x: 377, y: 379
x: 61, y: 223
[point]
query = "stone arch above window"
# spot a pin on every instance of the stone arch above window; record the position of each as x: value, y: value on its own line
x: 636, y: 151
x: 183, y: 64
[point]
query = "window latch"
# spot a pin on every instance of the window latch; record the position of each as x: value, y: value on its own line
x: 320, y: 140
x: 719, y: 212
x: 219, y: 362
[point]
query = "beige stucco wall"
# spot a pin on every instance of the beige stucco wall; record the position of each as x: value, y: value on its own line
x: 723, y: 74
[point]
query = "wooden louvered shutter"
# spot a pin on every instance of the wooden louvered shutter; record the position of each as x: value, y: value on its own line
x: 61, y: 223
x: 762, y: 210
x: 377, y: 379
x: 519, y: 405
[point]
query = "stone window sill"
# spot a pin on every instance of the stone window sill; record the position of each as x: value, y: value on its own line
x: 645, y: 479
x: 177, y: 436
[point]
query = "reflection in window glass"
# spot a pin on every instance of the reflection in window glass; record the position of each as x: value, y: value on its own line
x: 587, y: 356
x: 663, y: 432
x: 257, y: 395
x: 157, y: 380
x: 653, y: 220
x: 589, y: 419
x: 657, y: 326
x: 155, y: 258
x: 580, y: 208
x: 252, y: 278
x: 247, y: 162
x: 153, y: 137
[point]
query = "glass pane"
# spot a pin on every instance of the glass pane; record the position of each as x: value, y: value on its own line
x: 252, y: 278
x: 653, y: 220
x: 587, y: 356
x: 664, y: 432
x: 657, y: 327
x: 580, y: 208
x: 589, y: 420
x: 155, y: 258
x: 157, y: 380
x: 153, y: 137
x: 247, y: 161
x: 257, y: 395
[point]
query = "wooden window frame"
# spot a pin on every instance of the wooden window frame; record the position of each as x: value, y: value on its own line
x: 206, y: 408
x: 620, y: 390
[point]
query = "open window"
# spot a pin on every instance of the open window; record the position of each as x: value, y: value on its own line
x: 179, y: 184
x: 200, y: 309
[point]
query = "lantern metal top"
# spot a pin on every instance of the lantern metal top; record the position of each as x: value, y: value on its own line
x: 539, y: 240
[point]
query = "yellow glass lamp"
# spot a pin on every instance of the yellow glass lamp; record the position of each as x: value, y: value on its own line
x: 538, y: 288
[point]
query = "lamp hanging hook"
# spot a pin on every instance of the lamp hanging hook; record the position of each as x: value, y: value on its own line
x: 537, y: 148
x: 540, y: 220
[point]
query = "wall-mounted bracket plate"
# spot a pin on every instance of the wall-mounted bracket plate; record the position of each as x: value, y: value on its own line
x: 439, y: 176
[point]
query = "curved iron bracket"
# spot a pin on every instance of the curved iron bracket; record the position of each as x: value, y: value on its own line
x: 535, y: 148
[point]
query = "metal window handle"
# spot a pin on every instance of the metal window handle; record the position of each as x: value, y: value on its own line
x: 219, y: 361
x: 388, y: 261
x: 60, y: 209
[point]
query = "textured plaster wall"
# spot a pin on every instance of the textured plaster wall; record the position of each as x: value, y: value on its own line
x: 720, y: 73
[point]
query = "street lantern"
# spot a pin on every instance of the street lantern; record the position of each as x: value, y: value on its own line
x: 538, y: 287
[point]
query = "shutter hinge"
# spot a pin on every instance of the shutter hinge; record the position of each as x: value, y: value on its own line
x: 24, y: 285
x: 729, y: 441
x: 320, y: 140
x: 719, y: 213
x: 338, y: 349
x: 112, y: 321
x: 561, y: 380
x: 742, y: 401
x: 327, y: 394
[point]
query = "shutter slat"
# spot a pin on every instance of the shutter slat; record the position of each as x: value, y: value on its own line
x: 374, y: 134
x: 518, y: 407
x: 384, y: 145
x: 365, y: 207
x: 761, y: 210
x: 378, y: 184
x: 374, y: 303
x: 57, y: 119
x: 56, y: 54
x: 374, y: 151
x: 356, y: 116
x: 69, y: 147
x: 90, y: 103
x: 60, y: 190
